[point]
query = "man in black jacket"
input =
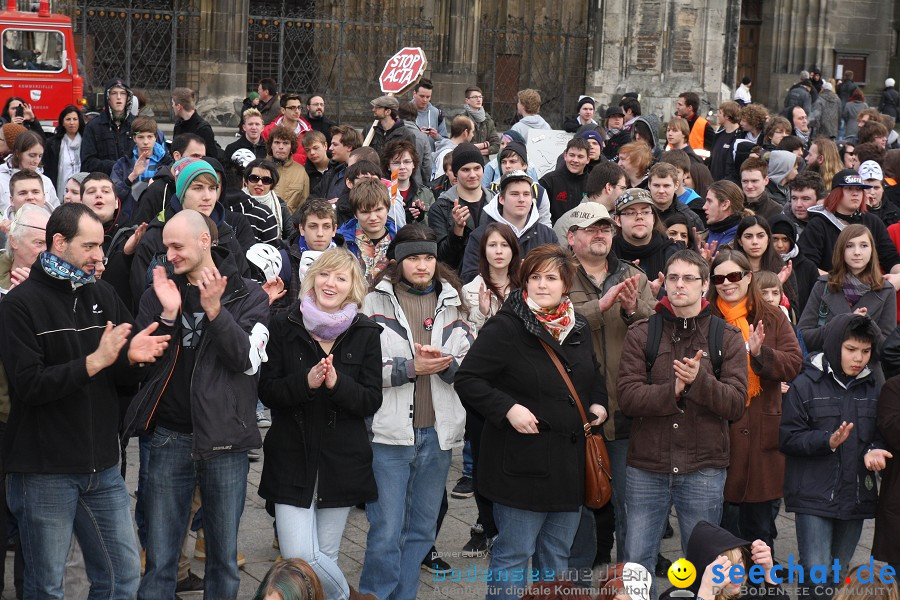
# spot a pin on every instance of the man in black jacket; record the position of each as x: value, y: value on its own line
x: 188, y: 120
x: 200, y: 401
x: 107, y: 138
x: 64, y: 333
x: 315, y: 114
x: 565, y: 185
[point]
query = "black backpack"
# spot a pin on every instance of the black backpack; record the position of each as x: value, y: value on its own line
x: 715, y: 341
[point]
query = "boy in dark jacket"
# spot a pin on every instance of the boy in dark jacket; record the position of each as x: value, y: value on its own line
x: 107, y: 138
x: 832, y: 445
x: 565, y: 186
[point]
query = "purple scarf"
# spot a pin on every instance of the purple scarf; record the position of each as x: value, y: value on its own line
x: 324, y: 325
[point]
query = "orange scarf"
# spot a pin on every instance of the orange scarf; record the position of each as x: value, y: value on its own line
x: 737, y: 315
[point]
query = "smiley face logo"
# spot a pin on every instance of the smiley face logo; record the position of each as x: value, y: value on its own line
x: 682, y: 573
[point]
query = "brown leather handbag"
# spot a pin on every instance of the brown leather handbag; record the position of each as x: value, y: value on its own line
x: 597, y: 473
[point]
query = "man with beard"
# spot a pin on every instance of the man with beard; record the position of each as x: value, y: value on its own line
x: 611, y: 294
x: 315, y: 116
x: 641, y: 243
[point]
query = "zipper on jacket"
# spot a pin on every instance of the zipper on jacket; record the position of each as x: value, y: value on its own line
x: 165, y: 385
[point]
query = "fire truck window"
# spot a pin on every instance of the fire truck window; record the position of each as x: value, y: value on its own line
x: 25, y: 50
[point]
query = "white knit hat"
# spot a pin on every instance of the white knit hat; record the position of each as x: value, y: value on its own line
x: 889, y: 82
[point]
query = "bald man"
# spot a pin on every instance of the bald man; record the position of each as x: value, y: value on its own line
x: 201, y: 399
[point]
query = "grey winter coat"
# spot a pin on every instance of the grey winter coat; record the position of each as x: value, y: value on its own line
x: 826, y: 114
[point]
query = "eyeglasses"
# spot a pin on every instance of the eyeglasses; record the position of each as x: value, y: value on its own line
x: 633, y: 214
x: 688, y: 279
x: 292, y: 107
x: 733, y: 277
x: 595, y: 229
x: 405, y: 163
x: 265, y: 179
x: 476, y: 97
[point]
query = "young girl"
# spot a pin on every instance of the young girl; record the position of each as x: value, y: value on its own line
x: 854, y: 285
x: 754, y: 240
x: 498, y: 267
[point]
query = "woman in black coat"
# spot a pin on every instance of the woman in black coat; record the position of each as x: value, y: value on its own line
x: 322, y: 379
x: 531, y: 463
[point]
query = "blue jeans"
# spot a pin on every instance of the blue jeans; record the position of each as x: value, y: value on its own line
x: 143, y: 462
x: 618, y: 455
x: 467, y: 459
x: 546, y: 537
x: 172, y: 476
x: 314, y: 534
x: 411, y: 481
x: 584, y: 547
x: 820, y: 540
x: 752, y: 520
x: 697, y: 496
x: 97, y: 508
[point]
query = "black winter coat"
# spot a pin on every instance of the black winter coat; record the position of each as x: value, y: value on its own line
x: 320, y: 433
x: 199, y: 126
x: 104, y: 142
x: 820, y: 236
x: 507, y: 365
x: 224, y: 388
x: 818, y: 481
x: 564, y: 189
x: 62, y: 420
x: 887, y: 516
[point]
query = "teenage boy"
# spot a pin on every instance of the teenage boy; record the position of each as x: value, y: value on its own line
x: 514, y: 157
x: 665, y: 180
x: 832, y: 447
x: 369, y: 233
x: 457, y: 212
x: 604, y: 185
x: 754, y: 180
x: 317, y: 163
x: 565, y: 185
x: 132, y: 174
x: 514, y: 207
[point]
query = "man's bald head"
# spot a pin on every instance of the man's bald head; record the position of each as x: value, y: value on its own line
x: 188, y: 241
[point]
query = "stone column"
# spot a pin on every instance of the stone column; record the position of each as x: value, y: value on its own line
x: 459, y: 68
x: 223, y: 57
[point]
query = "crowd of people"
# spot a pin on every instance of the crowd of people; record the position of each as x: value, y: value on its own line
x: 717, y: 295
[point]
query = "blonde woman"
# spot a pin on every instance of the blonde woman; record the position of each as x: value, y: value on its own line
x: 322, y: 380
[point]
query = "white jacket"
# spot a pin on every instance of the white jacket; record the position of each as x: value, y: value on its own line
x: 6, y: 173
x: 476, y: 318
x: 393, y: 423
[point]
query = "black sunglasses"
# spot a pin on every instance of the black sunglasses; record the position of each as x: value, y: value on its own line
x: 260, y: 178
x: 733, y: 277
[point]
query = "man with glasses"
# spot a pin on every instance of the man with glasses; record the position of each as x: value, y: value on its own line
x: 291, y: 119
x: 640, y: 242
x: 678, y: 446
x: 486, y: 138
x: 315, y: 116
x: 611, y: 294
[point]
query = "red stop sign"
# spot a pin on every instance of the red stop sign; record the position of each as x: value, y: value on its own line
x: 402, y: 70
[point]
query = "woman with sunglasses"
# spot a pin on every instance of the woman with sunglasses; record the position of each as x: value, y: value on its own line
x: 854, y: 285
x: 756, y: 473
x: 260, y: 179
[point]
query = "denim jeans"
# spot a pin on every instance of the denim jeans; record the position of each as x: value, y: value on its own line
x: 143, y: 462
x: 314, y: 534
x: 172, y: 476
x: 411, y: 480
x: 697, y: 496
x: 546, y: 537
x: 584, y: 545
x: 820, y: 540
x: 467, y: 459
x: 618, y: 454
x: 97, y: 508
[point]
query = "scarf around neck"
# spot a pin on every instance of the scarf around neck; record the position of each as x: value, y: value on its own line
x: 270, y: 201
x: 737, y: 315
x: 373, y: 256
x: 854, y: 289
x: 58, y: 268
x: 558, y: 321
x: 479, y: 115
x: 326, y: 326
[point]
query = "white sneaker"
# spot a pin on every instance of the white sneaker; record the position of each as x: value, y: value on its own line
x: 262, y: 420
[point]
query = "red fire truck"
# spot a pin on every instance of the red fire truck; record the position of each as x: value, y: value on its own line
x: 38, y: 61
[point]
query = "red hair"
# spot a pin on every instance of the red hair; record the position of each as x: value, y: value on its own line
x: 834, y: 198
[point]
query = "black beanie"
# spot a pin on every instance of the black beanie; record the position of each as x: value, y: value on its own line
x: 518, y: 148
x: 464, y: 154
x: 584, y: 100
